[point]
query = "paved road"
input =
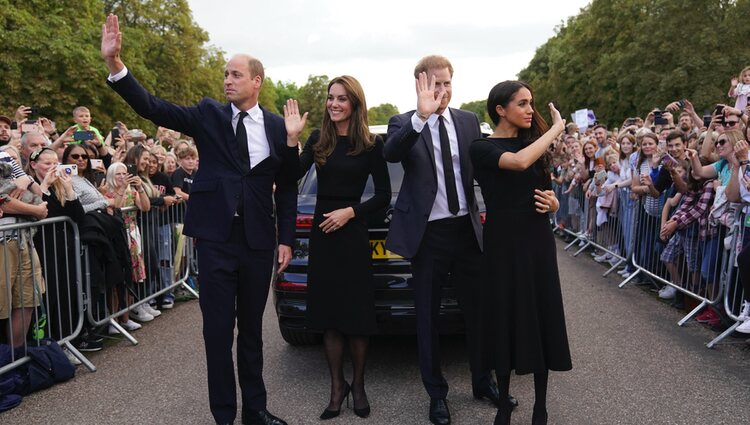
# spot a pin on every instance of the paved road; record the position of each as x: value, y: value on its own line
x: 632, y: 365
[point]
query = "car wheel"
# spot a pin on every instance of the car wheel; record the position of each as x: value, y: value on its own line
x: 297, y: 337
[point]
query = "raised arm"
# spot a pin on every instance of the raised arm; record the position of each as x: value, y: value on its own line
x: 523, y: 159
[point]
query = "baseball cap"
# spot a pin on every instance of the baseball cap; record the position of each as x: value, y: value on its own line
x: 6, y: 119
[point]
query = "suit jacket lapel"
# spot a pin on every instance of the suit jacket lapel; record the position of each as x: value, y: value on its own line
x: 269, y: 133
x: 426, y: 137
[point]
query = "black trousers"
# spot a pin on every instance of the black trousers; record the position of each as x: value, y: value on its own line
x: 449, y: 255
x: 234, y: 286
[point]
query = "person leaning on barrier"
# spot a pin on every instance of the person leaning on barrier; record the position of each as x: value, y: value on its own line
x: 55, y: 244
x: 20, y: 271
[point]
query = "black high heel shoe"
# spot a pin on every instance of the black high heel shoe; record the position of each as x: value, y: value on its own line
x: 330, y: 414
x: 503, y: 413
x: 362, y: 412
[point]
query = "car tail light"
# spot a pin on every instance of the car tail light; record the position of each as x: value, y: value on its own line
x: 482, y: 217
x: 284, y: 285
x: 304, y: 221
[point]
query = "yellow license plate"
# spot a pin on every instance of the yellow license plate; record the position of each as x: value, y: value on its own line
x: 379, y: 252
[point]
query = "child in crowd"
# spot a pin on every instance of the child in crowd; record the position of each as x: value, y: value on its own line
x: 82, y: 118
x: 740, y: 88
x: 684, y: 232
x: 182, y: 178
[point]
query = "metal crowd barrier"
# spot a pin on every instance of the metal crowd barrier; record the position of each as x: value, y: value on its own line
x: 55, y: 266
x: 41, y: 262
x: 733, y: 286
x: 704, y: 270
x: 164, y: 257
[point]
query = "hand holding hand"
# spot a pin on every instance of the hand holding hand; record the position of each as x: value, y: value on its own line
x: 546, y: 201
x: 336, y: 219
x: 427, y: 101
x: 294, y: 122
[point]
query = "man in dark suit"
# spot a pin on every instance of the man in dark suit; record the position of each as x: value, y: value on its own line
x: 244, y: 150
x: 436, y: 223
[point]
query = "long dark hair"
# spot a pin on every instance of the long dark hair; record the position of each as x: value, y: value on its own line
x: 502, y: 94
x: 88, y: 173
x: 359, y: 135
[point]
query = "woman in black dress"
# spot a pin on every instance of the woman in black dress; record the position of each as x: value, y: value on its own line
x: 341, y: 300
x: 526, y: 322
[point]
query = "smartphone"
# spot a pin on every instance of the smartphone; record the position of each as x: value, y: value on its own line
x: 681, y: 103
x: 668, y: 160
x: 82, y: 136
x: 177, y: 197
x: 115, y: 134
x: 719, y: 109
x: 26, y: 127
x: 629, y: 122
x: 33, y: 111
x: 132, y: 169
x: 96, y: 163
x: 706, y: 120
x: 659, y: 118
x: 69, y: 169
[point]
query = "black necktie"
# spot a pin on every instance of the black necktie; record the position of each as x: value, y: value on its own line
x: 241, y: 136
x: 448, y: 174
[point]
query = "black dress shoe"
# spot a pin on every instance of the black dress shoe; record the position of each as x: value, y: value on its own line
x: 439, y: 413
x: 491, y: 393
x: 260, y: 417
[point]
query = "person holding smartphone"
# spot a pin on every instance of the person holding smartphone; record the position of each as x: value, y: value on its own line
x: 524, y: 310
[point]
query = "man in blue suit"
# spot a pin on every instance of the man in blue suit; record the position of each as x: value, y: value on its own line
x: 244, y: 151
x: 436, y: 223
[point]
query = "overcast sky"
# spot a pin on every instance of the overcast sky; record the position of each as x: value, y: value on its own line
x: 379, y: 42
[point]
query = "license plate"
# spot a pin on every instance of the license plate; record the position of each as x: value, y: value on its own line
x: 379, y: 252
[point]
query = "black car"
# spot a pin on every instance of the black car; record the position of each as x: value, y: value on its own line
x: 394, y: 302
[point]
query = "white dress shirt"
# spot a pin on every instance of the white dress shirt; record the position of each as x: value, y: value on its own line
x: 257, y: 143
x: 440, y: 206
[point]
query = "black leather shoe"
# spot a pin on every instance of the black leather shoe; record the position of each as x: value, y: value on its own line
x: 260, y: 417
x: 439, y: 413
x: 491, y: 393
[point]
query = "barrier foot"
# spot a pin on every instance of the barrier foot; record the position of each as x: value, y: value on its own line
x: 692, y: 313
x: 583, y: 248
x: 77, y: 354
x: 190, y: 289
x: 629, y: 278
x: 722, y: 336
x: 122, y: 330
x: 573, y: 242
x: 616, y: 265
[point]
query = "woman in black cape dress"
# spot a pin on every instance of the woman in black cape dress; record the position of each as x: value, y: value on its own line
x: 340, y: 292
x: 524, y: 312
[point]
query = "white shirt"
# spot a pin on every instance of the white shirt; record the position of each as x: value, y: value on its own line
x: 440, y: 206
x: 257, y: 143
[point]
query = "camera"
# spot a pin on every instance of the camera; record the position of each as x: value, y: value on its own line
x: 68, y: 169
x: 82, y: 136
x: 659, y: 118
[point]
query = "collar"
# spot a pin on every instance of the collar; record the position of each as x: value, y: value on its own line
x: 255, y: 113
x: 432, y: 120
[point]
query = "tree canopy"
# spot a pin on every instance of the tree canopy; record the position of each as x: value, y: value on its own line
x: 51, y: 59
x: 624, y: 58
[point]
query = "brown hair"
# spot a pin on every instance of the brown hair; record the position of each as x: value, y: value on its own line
x: 186, y: 152
x: 359, y: 135
x: 432, y: 62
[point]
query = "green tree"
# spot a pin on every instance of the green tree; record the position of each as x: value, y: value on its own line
x: 268, y: 97
x: 51, y: 57
x: 478, y: 107
x: 312, y: 99
x: 285, y: 90
x: 625, y: 57
x: 378, y: 115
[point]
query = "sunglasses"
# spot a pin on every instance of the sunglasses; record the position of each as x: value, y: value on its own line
x: 730, y: 123
x: 78, y: 156
x: 720, y: 142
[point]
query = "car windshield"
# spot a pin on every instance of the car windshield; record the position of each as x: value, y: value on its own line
x: 309, y: 185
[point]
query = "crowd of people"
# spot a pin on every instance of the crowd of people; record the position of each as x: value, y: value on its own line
x: 125, y: 192
x: 662, y: 193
